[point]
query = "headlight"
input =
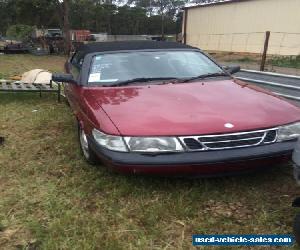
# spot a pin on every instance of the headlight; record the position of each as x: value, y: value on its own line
x: 111, y: 142
x: 288, y: 132
x: 153, y: 144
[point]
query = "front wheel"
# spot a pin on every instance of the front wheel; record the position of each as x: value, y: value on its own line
x: 88, y: 154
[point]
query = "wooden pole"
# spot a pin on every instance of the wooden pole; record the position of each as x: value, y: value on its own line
x: 162, y: 27
x: 1, y: 140
x: 264, y: 55
x: 185, y: 15
x: 162, y: 21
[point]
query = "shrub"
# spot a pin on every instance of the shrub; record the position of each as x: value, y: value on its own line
x: 19, y: 31
x: 286, y: 61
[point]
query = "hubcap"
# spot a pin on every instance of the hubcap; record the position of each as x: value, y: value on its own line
x: 84, y: 144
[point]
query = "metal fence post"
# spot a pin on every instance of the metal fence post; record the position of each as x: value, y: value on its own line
x: 58, y: 91
x: 185, y: 16
x: 264, y: 55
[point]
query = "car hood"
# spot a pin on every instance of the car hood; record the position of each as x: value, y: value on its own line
x: 192, y: 108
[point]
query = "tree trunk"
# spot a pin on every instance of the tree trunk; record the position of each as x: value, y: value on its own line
x: 63, y: 8
x: 66, y: 27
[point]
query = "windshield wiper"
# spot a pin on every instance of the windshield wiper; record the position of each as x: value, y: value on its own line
x: 140, y: 79
x: 205, y: 76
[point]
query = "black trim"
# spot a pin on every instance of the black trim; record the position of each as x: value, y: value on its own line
x: 193, y: 158
x: 129, y: 45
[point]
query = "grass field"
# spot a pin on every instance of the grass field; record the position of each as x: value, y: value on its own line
x: 11, y: 65
x: 50, y: 198
x: 286, y: 61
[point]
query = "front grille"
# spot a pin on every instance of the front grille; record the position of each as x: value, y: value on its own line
x: 270, y: 136
x: 192, y: 143
x: 227, y: 141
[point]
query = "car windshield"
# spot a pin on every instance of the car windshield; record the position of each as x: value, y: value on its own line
x: 110, y: 69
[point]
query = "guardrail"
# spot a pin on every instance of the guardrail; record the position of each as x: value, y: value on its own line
x: 293, y: 90
x: 271, y: 74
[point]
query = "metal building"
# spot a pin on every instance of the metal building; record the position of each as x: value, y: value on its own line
x: 241, y: 25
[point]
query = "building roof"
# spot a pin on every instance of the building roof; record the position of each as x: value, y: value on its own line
x: 130, y: 45
x: 215, y: 3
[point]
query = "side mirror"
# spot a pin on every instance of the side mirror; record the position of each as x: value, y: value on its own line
x: 232, y: 69
x: 63, y: 78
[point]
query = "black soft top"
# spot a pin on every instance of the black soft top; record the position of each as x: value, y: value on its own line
x: 129, y: 45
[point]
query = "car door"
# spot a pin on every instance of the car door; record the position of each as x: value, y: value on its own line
x: 73, y: 91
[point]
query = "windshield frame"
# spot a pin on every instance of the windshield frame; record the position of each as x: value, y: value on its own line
x: 88, y: 60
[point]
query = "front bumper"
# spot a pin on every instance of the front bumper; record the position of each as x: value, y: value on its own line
x: 201, y: 163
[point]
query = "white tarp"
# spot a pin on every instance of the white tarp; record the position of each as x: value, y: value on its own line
x: 37, y: 76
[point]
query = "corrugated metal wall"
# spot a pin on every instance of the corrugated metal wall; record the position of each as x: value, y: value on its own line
x: 241, y: 26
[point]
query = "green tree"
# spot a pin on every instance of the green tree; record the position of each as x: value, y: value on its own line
x: 104, y: 17
x: 129, y: 21
x: 136, y: 17
x: 166, y: 9
x: 19, y: 32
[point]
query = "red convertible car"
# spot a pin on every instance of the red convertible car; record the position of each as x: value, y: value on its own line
x: 168, y: 108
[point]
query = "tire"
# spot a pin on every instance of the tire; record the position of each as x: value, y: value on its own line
x: 86, y: 151
x: 296, y: 228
